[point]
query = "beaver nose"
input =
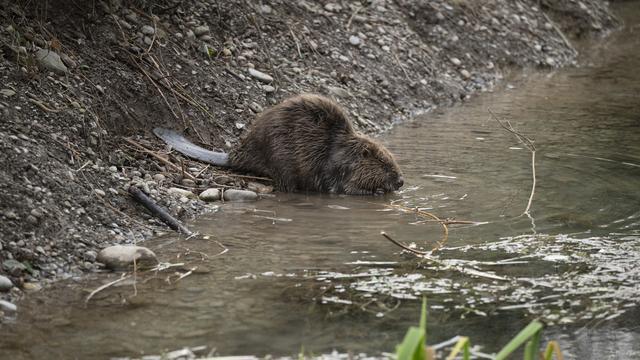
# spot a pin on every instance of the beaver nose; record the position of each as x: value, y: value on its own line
x: 400, y: 182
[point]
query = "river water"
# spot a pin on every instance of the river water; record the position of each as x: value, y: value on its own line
x: 312, y: 273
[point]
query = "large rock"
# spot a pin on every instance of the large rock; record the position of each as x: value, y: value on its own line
x: 182, y: 192
x: 50, y: 60
x: 7, y: 307
x: 210, y: 195
x: 14, y: 267
x: 121, y: 257
x: 240, y: 195
x: 5, y: 284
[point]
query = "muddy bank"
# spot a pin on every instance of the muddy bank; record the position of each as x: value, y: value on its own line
x: 83, y: 85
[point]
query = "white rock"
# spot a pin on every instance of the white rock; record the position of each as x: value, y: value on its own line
x: 50, y: 60
x: 465, y: 74
x: 210, y: 195
x: 240, y: 195
x: 355, y: 40
x: 181, y: 192
x: 201, y: 30
x: 5, y: 284
x: 260, y: 75
x: 148, y: 30
x: 456, y: 61
x: 8, y: 307
x: 121, y: 257
x: 268, y: 88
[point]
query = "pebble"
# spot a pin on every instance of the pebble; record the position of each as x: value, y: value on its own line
x: 550, y: 61
x: 159, y: 177
x: 210, y: 195
x: 50, y: 60
x: 121, y: 257
x: 99, y: 192
x: 188, y: 182
x: 5, y: 284
x: 260, y: 75
x: 13, y: 267
x: 7, y: 92
x: 240, y: 195
x: 37, y: 213
x: 181, y: 192
x: 201, y: 30
x: 355, y: 40
x: 465, y: 74
x: 456, y: 61
x: 259, y: 188
x: 113, y: 169
x: 268, y: 89
x: 255, y: 107
x: 148, y: 30
x: 8, y: 307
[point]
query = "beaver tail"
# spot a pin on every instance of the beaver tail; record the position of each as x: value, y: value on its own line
x: 182, y: 145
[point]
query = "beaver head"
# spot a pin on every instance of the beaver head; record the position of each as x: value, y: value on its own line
x: 372, y: 168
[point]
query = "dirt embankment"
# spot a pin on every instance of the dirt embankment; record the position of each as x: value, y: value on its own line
x: 80, y: 78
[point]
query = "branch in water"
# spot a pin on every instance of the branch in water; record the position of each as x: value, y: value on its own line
x: 158, y: 211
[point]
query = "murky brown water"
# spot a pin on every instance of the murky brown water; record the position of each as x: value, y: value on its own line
x: 292, y: 257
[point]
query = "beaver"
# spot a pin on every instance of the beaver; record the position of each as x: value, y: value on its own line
x: 305, y: 143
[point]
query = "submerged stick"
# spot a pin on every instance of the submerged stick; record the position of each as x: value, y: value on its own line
x: 158, y: 211
x: 122, y: 278
x: 528, y: 143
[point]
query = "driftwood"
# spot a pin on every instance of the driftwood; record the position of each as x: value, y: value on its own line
x: 158, y: 211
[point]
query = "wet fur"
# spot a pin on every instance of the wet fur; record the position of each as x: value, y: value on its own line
x: 306, y: 143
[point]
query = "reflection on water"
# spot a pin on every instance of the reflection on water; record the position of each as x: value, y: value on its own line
x: 296, y: 262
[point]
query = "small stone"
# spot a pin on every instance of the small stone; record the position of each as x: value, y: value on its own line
x: 191, y: 35
x: 548, y: 26
x: 550, y: 61
x: 210, y: 195
x: 355, y: 40
x: 260, y: 75
x: 50, y: 60
x: 5, y: 284
x: 113, y: 169
x: 13, y: 267
x: 338, y: 91
x: 268, y: 88
x: 7, y: 92
x: 31, y: 286
x: 255, y: 107
x: 148, y: 30
x: 99, y: 192
x: 90, y: 255
x: 456, y: 61
x: 7, y: 307
x: 37, y: 212
x: 201, y: 30
x: 121, y: 257
x: 266, y: 9
x: 332, y: 7
x: 465, y: 74
x: 188, y: 182
x: 259, y: 188
x: 240, y: 195
x: 439, y: 16
x: 181, y: 192
x: 159, y: 177
x: 226, y: 52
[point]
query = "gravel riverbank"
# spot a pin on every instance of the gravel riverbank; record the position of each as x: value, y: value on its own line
x: 82, y: 86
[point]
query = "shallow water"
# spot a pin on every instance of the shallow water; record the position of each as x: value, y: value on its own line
x: 313, y: 272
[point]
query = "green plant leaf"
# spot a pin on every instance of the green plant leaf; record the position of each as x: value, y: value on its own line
x: 525, y: 334
x: 413, y: 345
x: 462, y: 344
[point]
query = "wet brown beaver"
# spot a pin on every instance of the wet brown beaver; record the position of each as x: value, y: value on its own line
x: 305, y: 143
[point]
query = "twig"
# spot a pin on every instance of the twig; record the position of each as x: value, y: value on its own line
x: 43, y: 106
x: 186, y: 274
x: 158, y: 211
x: 528, y: 143
x: 155, y: 155
x: 296, y: 41
x: 560, y: 33
x: 353, y: 15
x: 122, y: 278
x: 421, y: 253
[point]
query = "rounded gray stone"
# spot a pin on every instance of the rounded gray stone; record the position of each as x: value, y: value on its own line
x: 5, y: 284
x: 121, y: 257
x: 240, y: 195
x: 50, y: 60
x: 210, y: 195
x: 7, y: 307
